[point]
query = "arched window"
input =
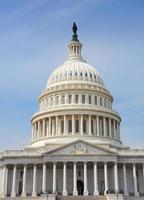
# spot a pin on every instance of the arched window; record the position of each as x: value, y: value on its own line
x: 63, y: 99
x: 89, y: 99
x: 83, y: 99
x: 70, y: 98
x: 76, y: 98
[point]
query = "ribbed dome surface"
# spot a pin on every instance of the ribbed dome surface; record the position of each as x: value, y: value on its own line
x: 75, y: 70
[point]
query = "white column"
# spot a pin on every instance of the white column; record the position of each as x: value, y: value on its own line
x: 75, y: 192
x: 96, y: 192
x: 94, y: 126
x: 44, y: 178
x: 125, y: 180
x: 43, y: 128
x: 104, y: 126
x: 85, y: 179
x: 13, y: 193
x: 36, y: 130
x: 136, y: 193
x: 34, y: 191
x: 47, y: 131
x: 4, y: 181
x: 105, y: 178
x: 115, y: 136
x: 39, y: 134
x: 97, y: 125
x: 73, y: 125
x: 65, y: 125
x: 81, y: 124
x: 49, y: 126
x: 64, y: 179
x: 24, y: 182
x: 33, y: 132
x: 116, y: 178
x: 89, y: 124
x: 110, y: 131
x: 54, y: 178
x: 56, y: 125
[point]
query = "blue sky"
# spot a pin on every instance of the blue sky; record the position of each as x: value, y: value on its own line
x: 33, y: 39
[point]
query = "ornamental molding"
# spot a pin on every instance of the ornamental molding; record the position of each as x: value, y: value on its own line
x: 67, y: 110
x: 79, y: 148
x: 76, y: 86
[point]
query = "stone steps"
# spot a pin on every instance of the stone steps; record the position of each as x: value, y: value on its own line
x: 81, y: 197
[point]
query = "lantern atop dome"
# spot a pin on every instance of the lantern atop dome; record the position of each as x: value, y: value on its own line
x: 75, y: 46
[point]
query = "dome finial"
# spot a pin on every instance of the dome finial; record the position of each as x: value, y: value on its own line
x: 74, y: 29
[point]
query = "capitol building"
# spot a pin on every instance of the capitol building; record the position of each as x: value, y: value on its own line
x: 76, y: 150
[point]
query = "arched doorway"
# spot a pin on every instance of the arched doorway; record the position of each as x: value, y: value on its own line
x: 80, y: 187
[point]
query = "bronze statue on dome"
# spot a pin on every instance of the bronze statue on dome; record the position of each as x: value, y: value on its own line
x: 74, y: 29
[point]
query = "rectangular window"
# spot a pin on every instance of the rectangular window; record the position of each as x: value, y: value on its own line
x: 76, y: 125
x: 95, y: 100
x: 100, y: 101
x: 69, y: 126
x: 92, y: 128
x: 70, y: 98
x: 57, y: 100
x: 76, y: 98
x: 84, y: 126
x: 105, y: 101
x: 62, y: 126
x: 63, y: 99
x: 83, y: 99
x: 89, y: 99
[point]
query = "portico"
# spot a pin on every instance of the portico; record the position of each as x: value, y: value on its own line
x: 99, y: 177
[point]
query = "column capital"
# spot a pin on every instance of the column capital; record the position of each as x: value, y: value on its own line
x: 44, y: 163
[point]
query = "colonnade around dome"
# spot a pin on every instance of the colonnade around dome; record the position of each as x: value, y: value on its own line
x: 76, y: 125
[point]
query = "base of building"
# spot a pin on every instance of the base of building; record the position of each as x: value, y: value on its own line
x: 115, y: 196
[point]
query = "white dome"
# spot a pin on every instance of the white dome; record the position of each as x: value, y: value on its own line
x: 75, y: 70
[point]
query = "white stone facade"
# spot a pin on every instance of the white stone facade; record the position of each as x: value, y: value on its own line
x: 76, y: 147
